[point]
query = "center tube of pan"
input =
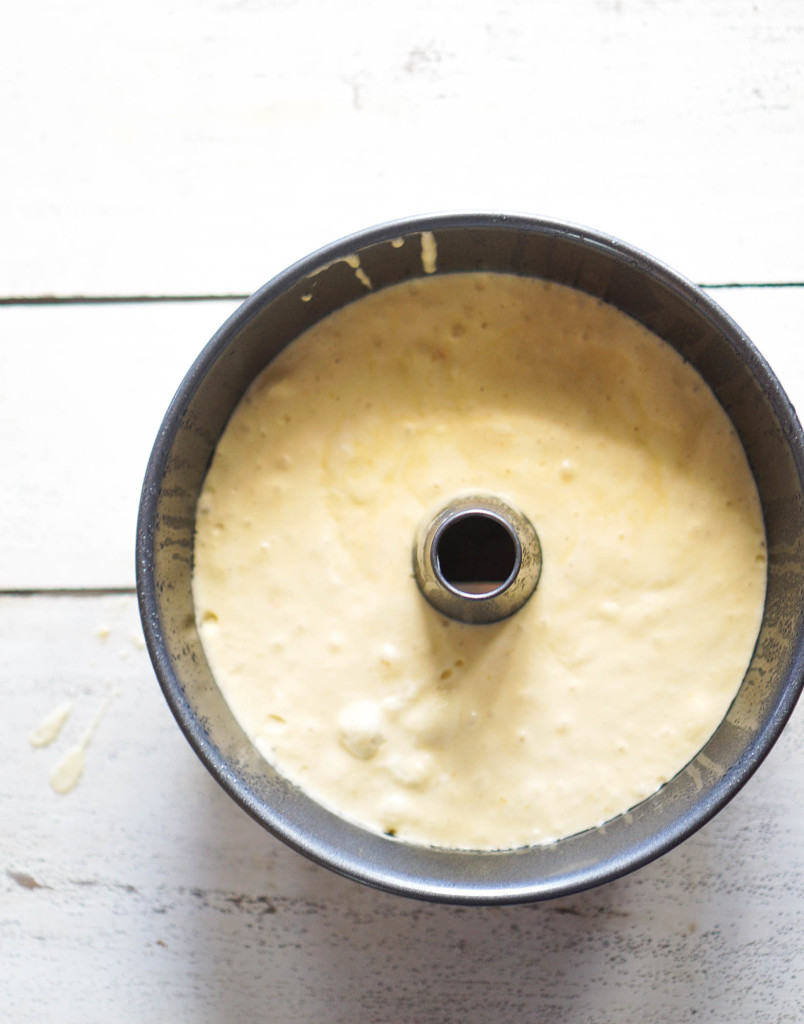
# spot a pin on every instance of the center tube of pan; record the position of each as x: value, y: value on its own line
x: 478, y: 559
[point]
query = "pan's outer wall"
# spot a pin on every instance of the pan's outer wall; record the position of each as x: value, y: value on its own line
x: 302, y: 295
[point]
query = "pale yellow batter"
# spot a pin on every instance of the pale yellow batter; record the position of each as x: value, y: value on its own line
x: 603, y: 686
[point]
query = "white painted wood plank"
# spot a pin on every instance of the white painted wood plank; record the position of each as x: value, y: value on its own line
x: 773, y: 319
x: 199, y: 147
x: 82, y: 395
x: 146, y: 894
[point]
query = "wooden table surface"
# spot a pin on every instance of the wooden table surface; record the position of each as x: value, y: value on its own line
x: 161, y: 160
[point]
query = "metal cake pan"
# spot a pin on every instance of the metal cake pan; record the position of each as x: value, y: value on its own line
x: 604, y: 267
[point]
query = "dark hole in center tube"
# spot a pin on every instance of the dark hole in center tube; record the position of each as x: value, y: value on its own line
x: 475, y: 553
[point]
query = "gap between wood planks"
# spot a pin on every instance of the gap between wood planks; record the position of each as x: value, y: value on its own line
x: 101, y: 300
x: 78, y: 300
x: 69, y: 592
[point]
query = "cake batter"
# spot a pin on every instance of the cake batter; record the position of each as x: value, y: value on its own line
x: 595, y: 693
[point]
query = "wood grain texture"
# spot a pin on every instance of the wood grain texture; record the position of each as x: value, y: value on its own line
x: 196, y: 148
x: 199, y: 147
x: 145, y: 894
